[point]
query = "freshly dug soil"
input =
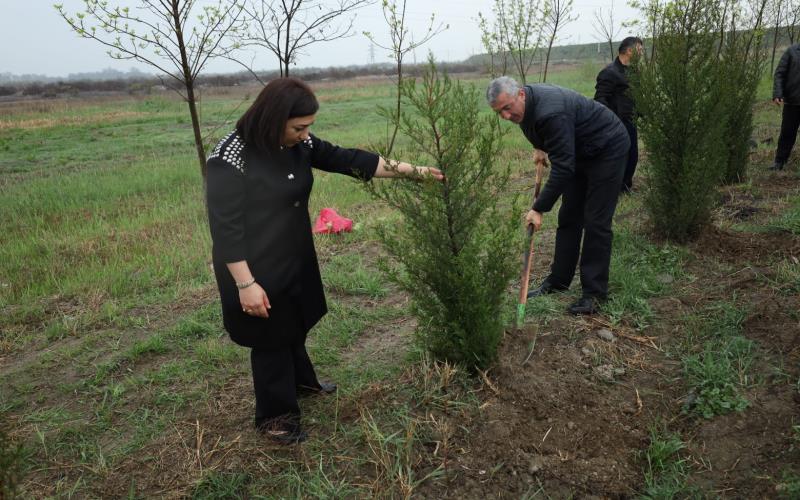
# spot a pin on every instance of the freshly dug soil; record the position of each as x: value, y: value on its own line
x: 575, y: 419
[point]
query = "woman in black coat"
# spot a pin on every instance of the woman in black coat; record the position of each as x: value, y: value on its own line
x: 258, y: 183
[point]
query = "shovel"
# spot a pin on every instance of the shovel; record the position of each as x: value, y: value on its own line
x: 527, y: 260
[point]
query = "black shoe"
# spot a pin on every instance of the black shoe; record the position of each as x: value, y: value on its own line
x: 323, y: 388
x: 777, y: 166
x: 283, y: 430
x: 585, y: 305
x: 545, y: 288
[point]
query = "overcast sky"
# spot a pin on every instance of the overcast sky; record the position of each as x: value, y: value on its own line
x: 34, y: 39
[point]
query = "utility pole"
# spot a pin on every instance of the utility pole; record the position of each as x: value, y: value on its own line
x: 372, y: 53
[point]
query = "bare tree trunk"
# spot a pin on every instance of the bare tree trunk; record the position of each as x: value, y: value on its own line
x: 791, y: 24
x: 188, y: 79
x: 547, y: 59
x: 775, y: 40
x: 285, y: 71
x: 198, y: 138
x: 397, y: 107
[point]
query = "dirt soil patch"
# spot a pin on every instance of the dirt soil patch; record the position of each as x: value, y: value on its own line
x: 574, y: 420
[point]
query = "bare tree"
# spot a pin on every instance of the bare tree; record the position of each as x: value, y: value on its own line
x: 515, y: 33
x: 495, y: 46
x: 791, y: 18
x: 777, y: 14
x: 558, y: 14
x: 401, y: 42
x: 605, y: 27
x: 287, y: 27
x: 176, y: 37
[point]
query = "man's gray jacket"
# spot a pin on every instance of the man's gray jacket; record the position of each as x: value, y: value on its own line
x: 571, y: 129
x: 786, y: 84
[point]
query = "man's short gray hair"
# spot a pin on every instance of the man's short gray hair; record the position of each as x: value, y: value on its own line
x: 501, y: 85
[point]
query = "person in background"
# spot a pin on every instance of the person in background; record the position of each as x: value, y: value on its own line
x: 259, y: 179
x: 587, y: 146
x: 613, y: 91
x: 786, y: 92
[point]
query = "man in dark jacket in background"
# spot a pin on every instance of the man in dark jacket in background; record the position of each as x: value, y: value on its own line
x: 612, y: 90
x: 587, y: 146
x: 786, y: 91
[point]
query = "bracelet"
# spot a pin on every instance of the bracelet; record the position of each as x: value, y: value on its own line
x: 245, y: 284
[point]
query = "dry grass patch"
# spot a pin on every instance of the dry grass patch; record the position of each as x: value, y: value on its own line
x: 50, y: 122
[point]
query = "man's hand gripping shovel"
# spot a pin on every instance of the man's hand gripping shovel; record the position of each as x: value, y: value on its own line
x: 527, y: 261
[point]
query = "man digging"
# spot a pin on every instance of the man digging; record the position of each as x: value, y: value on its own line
x: 587, y: 146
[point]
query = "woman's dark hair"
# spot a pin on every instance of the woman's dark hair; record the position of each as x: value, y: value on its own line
x: 264, y: 123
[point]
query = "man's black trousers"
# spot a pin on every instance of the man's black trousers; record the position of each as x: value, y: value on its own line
x: 633, y: 156
x: 790, y: 121
x: 276, y: 376
x: 587, y: 208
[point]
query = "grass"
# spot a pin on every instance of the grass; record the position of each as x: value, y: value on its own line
x: 11, y: 464
x: 392, y: 427
x: 720, y: 368
x: 788, y: 221
x: 666, y: 472
x: 789, y: 486
x: 349, y: 274
x: 219, y: 486
x: 785, y: 277
x: 640, y: 270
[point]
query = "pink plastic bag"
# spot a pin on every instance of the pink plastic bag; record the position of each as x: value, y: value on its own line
x: 331, y: 222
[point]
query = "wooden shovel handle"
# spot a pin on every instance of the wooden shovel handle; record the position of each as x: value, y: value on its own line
x: 528, y: 259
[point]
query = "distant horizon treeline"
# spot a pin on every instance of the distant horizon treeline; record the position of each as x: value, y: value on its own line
x: 143, y: 83
x: 135, y: 81
x: 574, y: 51
x: 103, y: 74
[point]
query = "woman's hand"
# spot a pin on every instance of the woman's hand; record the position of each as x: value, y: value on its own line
x: 429, y: 172
x: 533, y: 218
x: 254, y: 301
x: 392, y: 168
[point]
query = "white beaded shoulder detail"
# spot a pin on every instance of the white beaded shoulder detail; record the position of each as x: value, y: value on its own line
x: 231, y: 150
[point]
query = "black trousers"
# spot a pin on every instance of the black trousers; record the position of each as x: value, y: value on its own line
x: 277, y: 373
x: 587, y: 208
x: 790, y: 121
x: 633, y: 156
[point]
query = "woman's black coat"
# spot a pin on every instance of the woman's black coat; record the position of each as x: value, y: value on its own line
x: 258, y: 212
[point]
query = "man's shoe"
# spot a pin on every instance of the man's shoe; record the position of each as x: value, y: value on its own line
x: 585, y: 305
x: 777, y: 166
x: 544, y: 289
